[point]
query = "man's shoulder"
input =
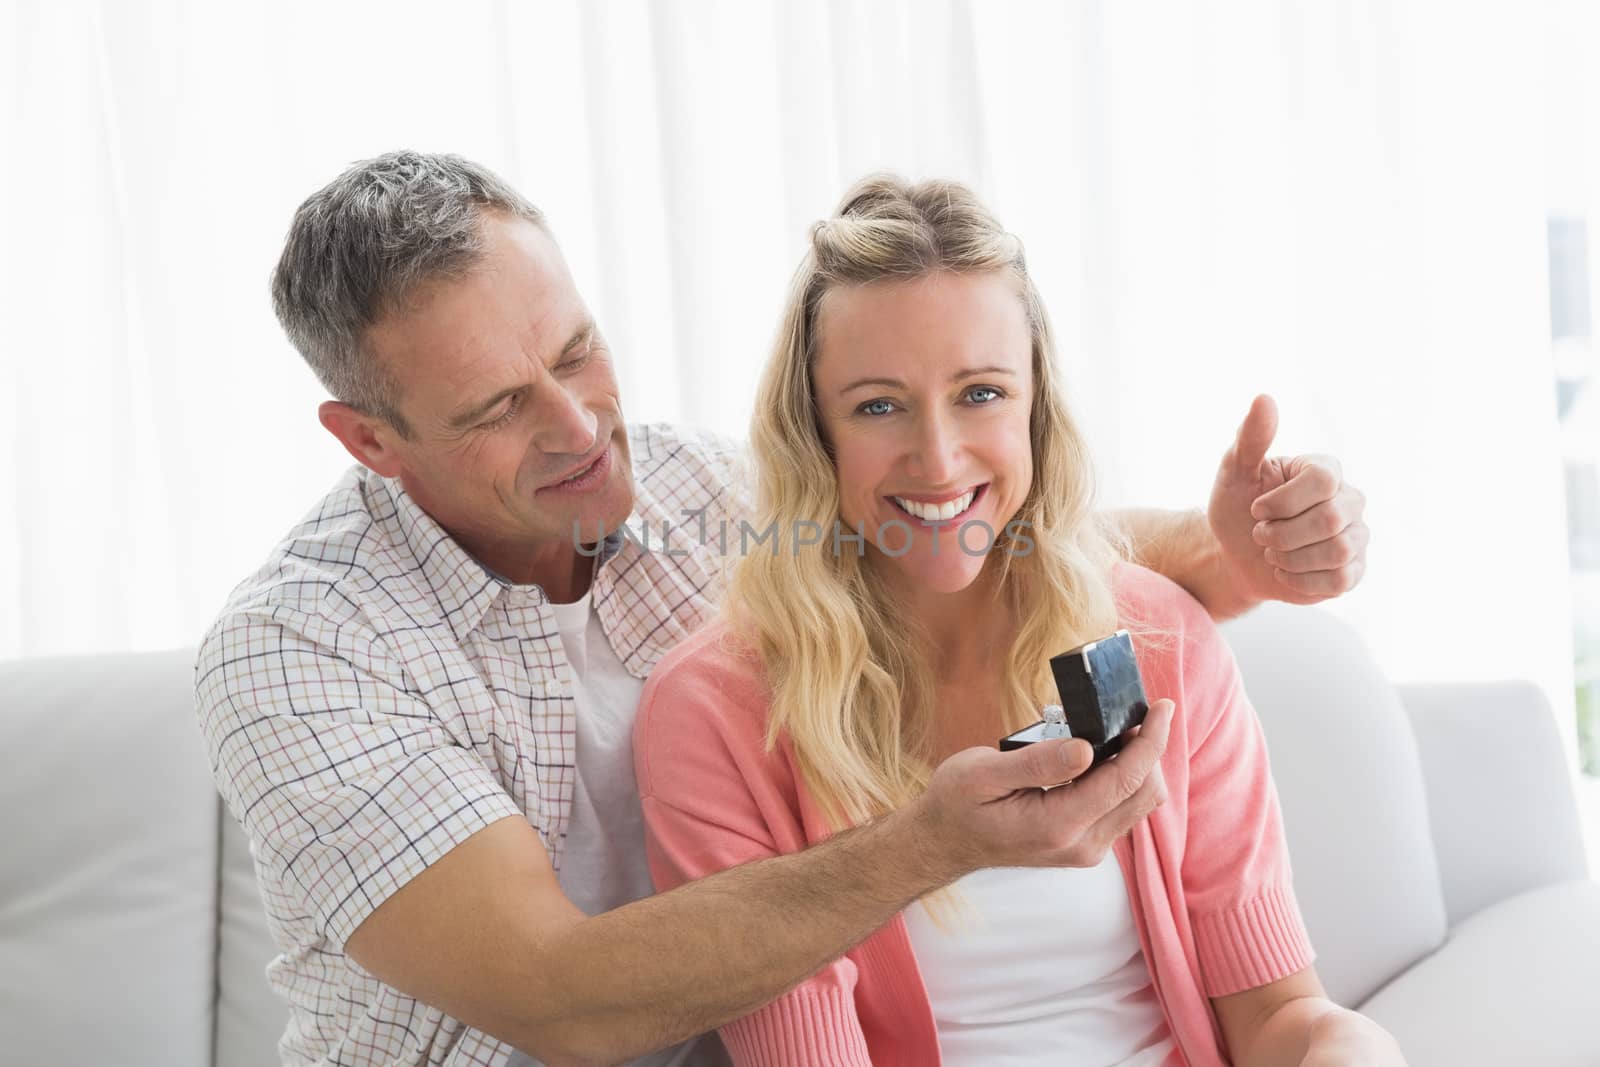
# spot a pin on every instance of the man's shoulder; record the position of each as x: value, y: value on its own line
x: 679, y: 468
x: 332, y: 540
x: 657, y: 442
x: 326, y: 567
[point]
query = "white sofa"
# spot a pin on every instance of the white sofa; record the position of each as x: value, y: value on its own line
x: 1436, y: 845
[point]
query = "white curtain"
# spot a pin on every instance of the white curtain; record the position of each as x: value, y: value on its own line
x: 1340, y: 203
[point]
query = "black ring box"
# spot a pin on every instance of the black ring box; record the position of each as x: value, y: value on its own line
x: 1102, y: 696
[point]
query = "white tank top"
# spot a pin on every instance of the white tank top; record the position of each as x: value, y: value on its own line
x: 1040, y: 966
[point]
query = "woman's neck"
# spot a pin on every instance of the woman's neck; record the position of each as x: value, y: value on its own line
x: 968, y: 632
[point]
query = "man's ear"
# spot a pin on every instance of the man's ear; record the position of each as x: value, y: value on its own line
x: 371, y: 440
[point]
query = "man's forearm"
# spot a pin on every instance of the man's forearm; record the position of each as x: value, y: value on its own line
x: 1180, y: 545
x: 662, y: 969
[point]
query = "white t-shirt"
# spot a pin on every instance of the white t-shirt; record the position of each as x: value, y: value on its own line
x: 1039, y: 966
x: 603, y: 864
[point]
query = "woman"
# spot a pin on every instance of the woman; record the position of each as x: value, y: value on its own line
x: 912, y: 400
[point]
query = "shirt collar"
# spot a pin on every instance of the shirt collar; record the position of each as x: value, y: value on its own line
x: 463, y: 587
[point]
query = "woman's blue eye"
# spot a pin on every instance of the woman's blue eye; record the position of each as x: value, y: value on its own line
x: 876, y: 407
x: 972, y: 394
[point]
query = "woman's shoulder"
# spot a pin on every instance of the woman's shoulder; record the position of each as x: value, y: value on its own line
x: 713, y: 678
x: 1180, y: 648
x: 714, y: 654
x: 1150, y: 600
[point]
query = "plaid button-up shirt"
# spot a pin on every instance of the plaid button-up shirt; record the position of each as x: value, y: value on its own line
x: 372, y: 696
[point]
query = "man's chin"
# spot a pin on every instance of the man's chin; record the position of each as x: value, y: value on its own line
x: 599, y: 520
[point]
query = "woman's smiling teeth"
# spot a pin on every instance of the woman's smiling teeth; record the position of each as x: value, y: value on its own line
x: 936, y: 512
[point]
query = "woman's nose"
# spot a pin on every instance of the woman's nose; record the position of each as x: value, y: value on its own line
x: 935, y: 456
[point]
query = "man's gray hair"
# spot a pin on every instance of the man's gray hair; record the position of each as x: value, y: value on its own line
x: 363, y: 244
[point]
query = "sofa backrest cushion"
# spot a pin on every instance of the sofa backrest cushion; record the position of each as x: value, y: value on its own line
x: 250, y: 1016
x: 1499, y: 789
x: 108, y: 889
x: 1350, y: 781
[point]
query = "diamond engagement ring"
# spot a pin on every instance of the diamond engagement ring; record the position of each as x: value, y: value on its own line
x: 1055, y: 722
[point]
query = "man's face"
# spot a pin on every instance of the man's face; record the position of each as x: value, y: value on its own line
x: 511, y: 398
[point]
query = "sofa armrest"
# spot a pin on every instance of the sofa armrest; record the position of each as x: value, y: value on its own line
x: 1500, y: 799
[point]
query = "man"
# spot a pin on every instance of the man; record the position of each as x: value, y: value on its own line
x: 419, y: 707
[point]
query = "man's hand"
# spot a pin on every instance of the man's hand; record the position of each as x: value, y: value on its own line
x: 1288, y: 529
x: 985, y: 808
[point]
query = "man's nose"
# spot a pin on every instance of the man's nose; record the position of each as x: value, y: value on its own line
x: 936, y: 453
x: 564, y: 423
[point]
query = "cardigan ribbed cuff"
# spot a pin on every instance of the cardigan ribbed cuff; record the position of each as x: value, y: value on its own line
x: 1257, y: 942
x: 808, y: 1026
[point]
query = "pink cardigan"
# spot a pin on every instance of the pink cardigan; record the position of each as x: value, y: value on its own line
x: 1208, y: 873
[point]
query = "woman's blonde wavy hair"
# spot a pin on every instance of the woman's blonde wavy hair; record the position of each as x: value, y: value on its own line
x: 850, y: 684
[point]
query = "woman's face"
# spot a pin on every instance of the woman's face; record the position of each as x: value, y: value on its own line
x: 924, y: 389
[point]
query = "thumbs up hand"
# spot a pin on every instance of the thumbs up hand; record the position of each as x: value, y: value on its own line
x: 1288, y: 528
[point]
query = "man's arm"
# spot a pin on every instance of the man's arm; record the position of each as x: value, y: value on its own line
x: 1181, y: 546
x: 486, y: 935
x: 1276, y: 529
